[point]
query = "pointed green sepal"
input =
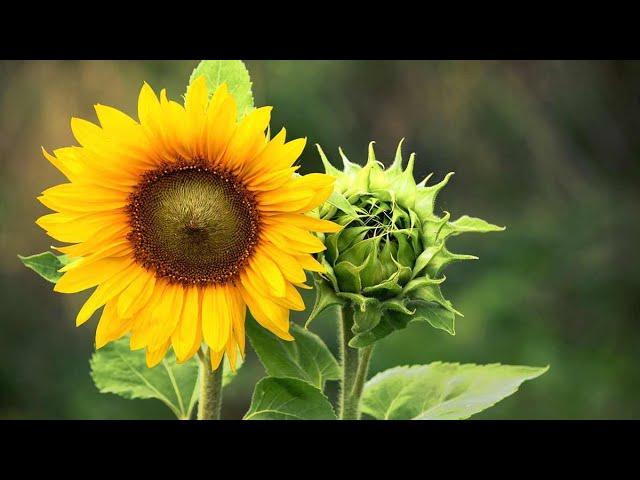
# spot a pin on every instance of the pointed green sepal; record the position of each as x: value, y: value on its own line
x: 426, y: 197
x: 466, y: 224
x: 325, y: 298
x: 443, y: 258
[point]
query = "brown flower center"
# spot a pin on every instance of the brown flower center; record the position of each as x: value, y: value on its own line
x: 192, y: 224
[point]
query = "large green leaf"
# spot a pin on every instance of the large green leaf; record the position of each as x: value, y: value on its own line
x: 117, y: 369
x: 46, y: 264
x: 307, y: 358
x: 232, y: 72
x: 442, y: 391
x: 288, y: 399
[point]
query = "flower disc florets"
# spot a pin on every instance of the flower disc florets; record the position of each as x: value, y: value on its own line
x: 388, y: 259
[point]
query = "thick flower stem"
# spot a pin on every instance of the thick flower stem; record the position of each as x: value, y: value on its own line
x: 210, y: 400
x: 355, y: 364
x: 361, y: 374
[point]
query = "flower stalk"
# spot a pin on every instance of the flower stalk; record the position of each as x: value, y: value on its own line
x: 355, y: 364
x: 210, y: 399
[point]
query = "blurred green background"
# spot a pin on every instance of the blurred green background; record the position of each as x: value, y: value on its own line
x: 549, y: 148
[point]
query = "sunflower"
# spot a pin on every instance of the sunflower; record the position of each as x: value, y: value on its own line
x: 183, y: 220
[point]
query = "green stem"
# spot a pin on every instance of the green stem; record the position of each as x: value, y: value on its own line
x: 361, y: 375
x: 210, y: 401
x: 355, y: 364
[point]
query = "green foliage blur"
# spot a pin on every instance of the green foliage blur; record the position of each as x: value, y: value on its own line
x: 551, y: 149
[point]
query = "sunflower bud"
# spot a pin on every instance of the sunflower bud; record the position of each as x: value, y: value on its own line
x: 387, y: 261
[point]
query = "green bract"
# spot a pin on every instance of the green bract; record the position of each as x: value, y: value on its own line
x: 387, y: 261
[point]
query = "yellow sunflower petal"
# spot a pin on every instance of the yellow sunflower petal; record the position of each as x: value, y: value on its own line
x: 106, y: 237
x: 165, y: 316
x: 216, y: 358
x: 87, y: 134
x: 197, y: 97
x: 262, y: 164
x: 304, y: 221
x: 186, y: 336
x: 319, y: 184
x: 117, y: 249
x: 111, y: 326
x: 272, y: 180
x: 309, y: 263
x: 290, y: 238
x: 269, y: 272
x: 82, y: 278
x: 67, y: 168
x: 284, y: 196
x: 288, y: 264
x: 321, y: 196
x: 118, y: 125
x: 290, y: 300
x: 60, y: 204
x: 78, y: 227
x: 131, y: 300
x: 134, y: 290
x: 232, y: 354
x: 262, y: 318
x: 220, y: 123
x: 293, y: 299
x: 115, y: 121
x: 141, y: 328
x: 155, y: 356
x: 265, y: 307
x: 248, y: 139
x: 289, y: 153
x: 216, y: 317
x: 106, y: 291
x: 238, y: 315
x: 148, y: 104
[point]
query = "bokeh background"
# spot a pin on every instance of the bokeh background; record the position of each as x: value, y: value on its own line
x: 549, y: 148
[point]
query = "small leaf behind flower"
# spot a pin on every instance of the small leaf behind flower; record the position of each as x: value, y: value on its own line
x: 307, y: 358
x: 442, y: 391
x: 232, y: 72
x: 46, y: 264
x: 288, y: 399
x: 117, y: 369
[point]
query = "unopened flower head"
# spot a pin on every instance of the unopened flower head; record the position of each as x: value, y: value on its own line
x: 387, y: 261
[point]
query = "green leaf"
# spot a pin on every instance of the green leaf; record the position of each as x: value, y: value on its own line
x: 46, y: 264
x: 442, y: 391
x: 236, y: 76
x: 117, y: 369
x: 307, y: 358
x: 288, y: 399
